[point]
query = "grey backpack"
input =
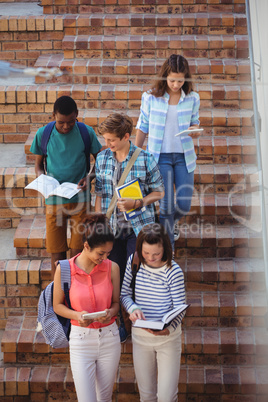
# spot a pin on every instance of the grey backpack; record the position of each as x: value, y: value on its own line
x: 56, y: 329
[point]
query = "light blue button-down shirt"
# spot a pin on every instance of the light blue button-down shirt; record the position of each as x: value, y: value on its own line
x: 152, y: 120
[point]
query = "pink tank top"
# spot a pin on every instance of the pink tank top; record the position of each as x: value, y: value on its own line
x: 91, y: 292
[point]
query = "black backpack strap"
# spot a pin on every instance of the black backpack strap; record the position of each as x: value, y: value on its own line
x: 65, y: 270
x: 45, y: 136
x: 86, y: 138
x: 44, y: 140
x: 135, y: 266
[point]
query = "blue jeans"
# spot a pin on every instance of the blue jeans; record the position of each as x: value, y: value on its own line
x: 173, y: 170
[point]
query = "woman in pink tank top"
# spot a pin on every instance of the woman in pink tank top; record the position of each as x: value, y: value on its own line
x: 94, y: 342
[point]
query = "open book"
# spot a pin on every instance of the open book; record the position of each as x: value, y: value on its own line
x: 166, y: 319
x: 132, y: 190
x: 48, y: 186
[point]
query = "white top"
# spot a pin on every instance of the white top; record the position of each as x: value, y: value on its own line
x: 170, y: 143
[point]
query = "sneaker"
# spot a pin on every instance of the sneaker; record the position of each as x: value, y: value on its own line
x: 176, y: 232
x: 123, y: 333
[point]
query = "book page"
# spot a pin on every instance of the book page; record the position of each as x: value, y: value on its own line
x: 167, y: 318
x: 43, y: 184
x: 149, y: 324
x: 173, y: 313
x: 65, y: 190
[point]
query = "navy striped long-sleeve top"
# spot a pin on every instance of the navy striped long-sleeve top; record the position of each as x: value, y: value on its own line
x: 157, y: 291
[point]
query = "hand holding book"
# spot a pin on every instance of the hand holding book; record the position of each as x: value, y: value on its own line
x: 48, y: 186
x: 166, y: 319
x: 129, y: 199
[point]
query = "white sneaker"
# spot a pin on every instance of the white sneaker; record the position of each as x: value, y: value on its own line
x: 176, y: 232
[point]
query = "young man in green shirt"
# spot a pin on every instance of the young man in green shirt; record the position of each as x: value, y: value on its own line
x: 66, y: 161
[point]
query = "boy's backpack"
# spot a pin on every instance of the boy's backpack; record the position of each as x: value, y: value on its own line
x: 84, y: 134
x: 56, y: 329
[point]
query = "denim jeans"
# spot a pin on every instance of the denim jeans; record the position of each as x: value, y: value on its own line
x: 173, y: 170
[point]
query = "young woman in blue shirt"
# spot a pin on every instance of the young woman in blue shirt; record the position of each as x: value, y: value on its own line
x: 168, y: 108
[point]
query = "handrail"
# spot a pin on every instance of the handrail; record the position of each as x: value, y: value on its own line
x: 258, y: 145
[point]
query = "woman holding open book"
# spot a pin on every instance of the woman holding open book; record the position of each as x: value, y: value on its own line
x: 94, y: 295
x: 168, y: 109
x: 157, y: 289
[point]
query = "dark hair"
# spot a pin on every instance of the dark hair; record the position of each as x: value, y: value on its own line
x: 118, y: 124
x: 174, y: 64
x: 154, y: 233
x: 65, y: 105
x: 97, y: 230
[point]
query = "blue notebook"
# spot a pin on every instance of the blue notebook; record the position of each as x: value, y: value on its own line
x: 132, y: 190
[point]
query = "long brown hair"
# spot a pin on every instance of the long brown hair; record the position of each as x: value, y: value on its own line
x: 174, y: 64
x: 154, y: 233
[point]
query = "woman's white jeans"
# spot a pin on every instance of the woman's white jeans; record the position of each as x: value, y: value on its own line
x: 94, y: 357
x: 157, y: 365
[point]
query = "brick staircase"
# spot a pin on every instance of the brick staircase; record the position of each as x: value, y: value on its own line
x: 109, y: 51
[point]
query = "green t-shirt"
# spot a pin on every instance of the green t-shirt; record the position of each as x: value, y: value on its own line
x: 66, y: 158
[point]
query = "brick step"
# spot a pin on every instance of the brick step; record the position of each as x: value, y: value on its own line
x: 233, y: 275
x: 197, y: 239
x: 156, y: 24
x: 223, y: 23
x: 208, y: 346
x: 25, y: 38
x: 207, y: 383
x: 150, y: 46
x: 36, y: 110
x: 22, y: 282
x: 137, y: 7
x: 210, y: 209
x: 186, y: 23
x: 226, y: 309
x: 217, y: 150
x: 140, y: 71
x: 211, y: 176
x: 128, y: 96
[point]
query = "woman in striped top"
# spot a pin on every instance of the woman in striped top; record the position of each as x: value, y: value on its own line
x: 168, y: 108
x: 159, y: 288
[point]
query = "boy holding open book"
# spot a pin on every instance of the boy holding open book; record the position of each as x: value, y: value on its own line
x: 110, y: 165
x: 63, y: 156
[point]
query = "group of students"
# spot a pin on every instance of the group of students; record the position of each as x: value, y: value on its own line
x: 108, y: 241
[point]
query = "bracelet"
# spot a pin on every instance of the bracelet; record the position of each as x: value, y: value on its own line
x: 134, y: 207
x: 141, y: 201
x: 136, y: 308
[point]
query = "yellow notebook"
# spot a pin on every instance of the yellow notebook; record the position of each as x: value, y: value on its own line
x: 132, y: 190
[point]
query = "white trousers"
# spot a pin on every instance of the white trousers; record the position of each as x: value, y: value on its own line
x: 157, y: 365
x: 94, y: 357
